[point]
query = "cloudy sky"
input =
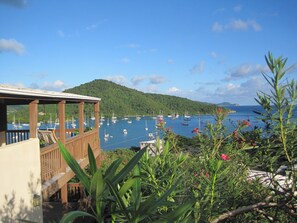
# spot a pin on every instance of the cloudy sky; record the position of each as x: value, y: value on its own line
x: 211, y: 51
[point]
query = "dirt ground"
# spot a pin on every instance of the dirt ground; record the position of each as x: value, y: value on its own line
x: 54, y: 211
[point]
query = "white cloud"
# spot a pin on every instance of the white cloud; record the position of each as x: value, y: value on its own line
x: 133, y: 45
x: 173, y: 90
x: 61, y: 33
x: 15, y: 3
x: 245, y: 71
x: 17, y: 84
x: 152, y: 89
x: 243, y: 92
x: 137, y: 80
x: 218, y: 11
x: 292, y: 68
x: 198, y: 68
x: 125, y: 60
x: 237, y: 8
x: 153, y: 50
x: 217, y: 27
x: 237, y: 25
x: 92, y: 27
x: 170, y: 61
x: 11, y: 45
x: 57, y: 85
x: 213, y: 54
x: 119, y: 79
x: 157, y: 79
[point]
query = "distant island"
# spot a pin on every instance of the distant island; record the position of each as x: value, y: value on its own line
x: 227, y: 104
x: 121, y: 101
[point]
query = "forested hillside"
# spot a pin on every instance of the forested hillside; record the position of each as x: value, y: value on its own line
x: 126, y: 101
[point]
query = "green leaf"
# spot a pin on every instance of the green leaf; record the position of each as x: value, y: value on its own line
x: 176, y: 213
x: 136, y: 192
x: 69, y: 217
x: 127, y: 185
x: 159, y: 202
x: 112, y: 169
x: 97, y: 189
x: 118, y: 198
x: 143, y: 210
x: 92, y: 160
x: 128, y: 167
x: 72, y: 163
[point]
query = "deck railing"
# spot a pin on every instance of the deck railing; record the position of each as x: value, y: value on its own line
x: 52, y: 161
x: 14, y: 136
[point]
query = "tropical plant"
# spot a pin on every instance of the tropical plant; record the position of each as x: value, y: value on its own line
x: 276, y: 150
x: 113, y: 196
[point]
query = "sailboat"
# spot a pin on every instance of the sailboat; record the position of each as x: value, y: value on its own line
x: 106, y: 136
x: 146, y: 128
x: 50, y: 122
x: 13, y: 123
x: 73, y: 125
x: 92, y: 117
x: 113, y: 118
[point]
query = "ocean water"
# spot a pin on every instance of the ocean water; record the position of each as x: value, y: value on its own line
x: 136, y: 130
x: 140, y: 130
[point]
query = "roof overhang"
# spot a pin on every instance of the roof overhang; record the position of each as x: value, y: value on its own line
x: 15, y: 96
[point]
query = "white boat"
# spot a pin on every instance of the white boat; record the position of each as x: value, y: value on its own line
x: 151, y: 135
x: 92, y: 117
x: 125, y: 131
x: 73, y: 125
x: 106, y: 136
x: 146, y: 128
x: 113, y: 118
x: 129, y: 121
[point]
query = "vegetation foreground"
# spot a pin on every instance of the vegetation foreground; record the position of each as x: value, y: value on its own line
x: 210, y: 182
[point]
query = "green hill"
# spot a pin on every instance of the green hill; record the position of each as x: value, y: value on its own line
x: 124, y: 101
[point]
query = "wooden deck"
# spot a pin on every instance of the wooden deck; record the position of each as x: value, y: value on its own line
x: 54, y: 171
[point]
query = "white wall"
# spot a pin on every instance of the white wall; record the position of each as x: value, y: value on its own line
x: 20, y: 180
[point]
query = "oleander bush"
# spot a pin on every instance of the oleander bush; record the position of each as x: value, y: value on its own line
x: 210, y: 181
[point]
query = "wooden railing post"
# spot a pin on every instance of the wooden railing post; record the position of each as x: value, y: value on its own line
x: 96, y: 112
x: 3, y: 124
x: 61, y: 113
x: 81, y: 127
x: 81, y: 117
x: 33, y: 111
x: 62, y: 137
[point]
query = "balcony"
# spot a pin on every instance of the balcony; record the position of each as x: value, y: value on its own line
x: 31, y: 171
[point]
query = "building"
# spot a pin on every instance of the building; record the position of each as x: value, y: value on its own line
x: 30, y: 174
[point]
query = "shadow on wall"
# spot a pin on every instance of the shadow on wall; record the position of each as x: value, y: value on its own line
x: 15, y: 207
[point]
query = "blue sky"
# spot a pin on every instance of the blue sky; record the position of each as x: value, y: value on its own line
x: 211, y: 51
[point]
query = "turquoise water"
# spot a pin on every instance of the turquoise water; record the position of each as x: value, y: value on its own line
x: 136, y: 131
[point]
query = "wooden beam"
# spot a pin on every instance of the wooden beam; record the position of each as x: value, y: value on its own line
x: 3, y: 117
x: 3, y: 123
x: 81, y: 117
x: 96, y: 112
x: 61, y: 114
x: 33, y: 113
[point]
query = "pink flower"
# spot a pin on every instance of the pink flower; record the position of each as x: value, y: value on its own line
x: 195, y: 130
x: 225, y: 157
x: 219, y: 110
x: 245, y: 123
